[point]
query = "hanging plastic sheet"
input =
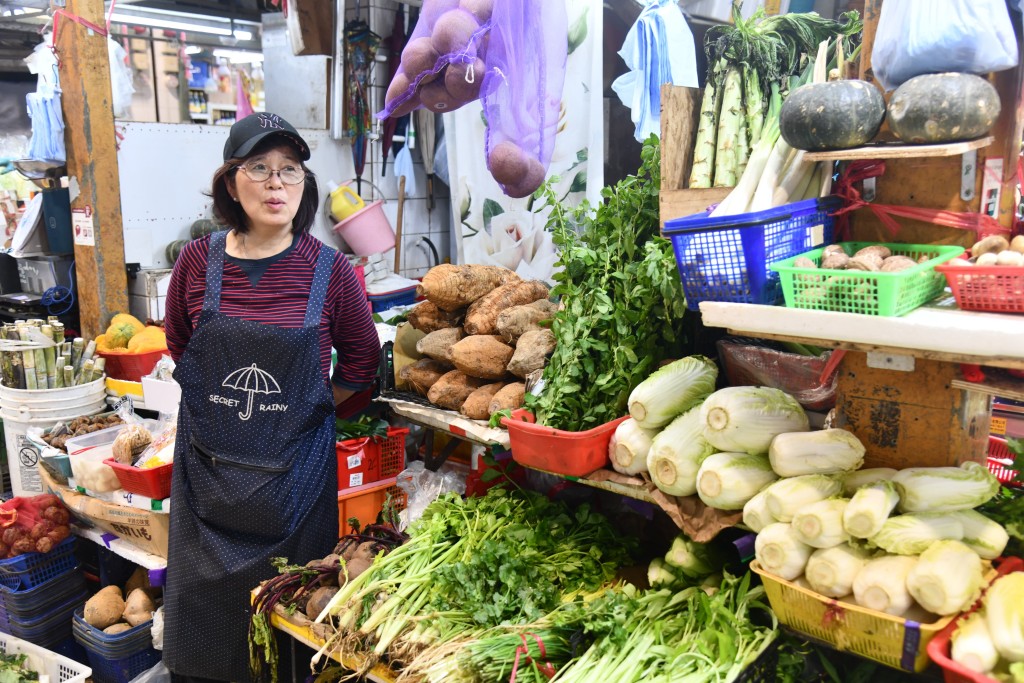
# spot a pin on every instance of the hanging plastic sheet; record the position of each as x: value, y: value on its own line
x: 44, y: 108
x: 659, y: 49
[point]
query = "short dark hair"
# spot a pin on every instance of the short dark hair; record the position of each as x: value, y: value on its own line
x: 231, y: 214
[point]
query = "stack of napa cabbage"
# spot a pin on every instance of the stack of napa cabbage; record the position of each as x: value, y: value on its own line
x: 991, y: 640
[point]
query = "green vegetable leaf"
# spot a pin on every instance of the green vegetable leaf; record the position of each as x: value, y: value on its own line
x: 578, y: 31
x: 491, y: 209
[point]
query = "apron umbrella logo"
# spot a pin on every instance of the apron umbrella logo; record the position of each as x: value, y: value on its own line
x: 252, y: 381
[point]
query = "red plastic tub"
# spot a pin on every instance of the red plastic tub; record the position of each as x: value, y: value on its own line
x: 999, y: 289
x: 367, y: 460
x: 131, y: 366
x: 939, y: 646
x: 1000, y: 458
x: 154, y: 482
x: 574, y: 454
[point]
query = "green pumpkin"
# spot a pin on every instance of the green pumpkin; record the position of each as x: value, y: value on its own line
x: 833, y: 115
x: 203, y: 227
x: 174, y: 250
x: 937, y: 108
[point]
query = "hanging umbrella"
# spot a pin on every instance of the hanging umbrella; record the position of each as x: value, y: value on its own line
x: 360, y: 50
x: 395, y: 43
x: 426, y: 132
x: 251, y: 380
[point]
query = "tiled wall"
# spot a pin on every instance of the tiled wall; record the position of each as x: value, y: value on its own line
x: 420, y: 221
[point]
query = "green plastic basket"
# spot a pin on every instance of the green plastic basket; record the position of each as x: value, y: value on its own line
x: 870, y: 293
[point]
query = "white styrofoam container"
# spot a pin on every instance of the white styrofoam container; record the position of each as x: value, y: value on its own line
x: 160, y: 395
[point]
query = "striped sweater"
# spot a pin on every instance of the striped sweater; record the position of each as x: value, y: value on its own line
x: 280, y: 299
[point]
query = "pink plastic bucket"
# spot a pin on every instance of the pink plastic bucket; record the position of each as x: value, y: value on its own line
x: 367, y: 231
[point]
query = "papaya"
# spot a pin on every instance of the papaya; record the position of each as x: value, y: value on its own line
x: 101, y: 343
x: 122, y: 328
x: 151, y: 338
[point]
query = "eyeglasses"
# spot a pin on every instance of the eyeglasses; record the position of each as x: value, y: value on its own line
x: 258, y: 173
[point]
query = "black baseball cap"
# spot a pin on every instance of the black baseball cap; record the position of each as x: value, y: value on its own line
x: 248, y: 132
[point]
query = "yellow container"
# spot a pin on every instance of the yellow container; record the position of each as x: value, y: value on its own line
x: 894, y: 641
x: 344, y: 202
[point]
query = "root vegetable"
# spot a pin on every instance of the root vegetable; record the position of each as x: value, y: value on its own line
x: 879, y: 250
x: 57, y: 514
x: 836, y: 260
x: 532, y: 352
x: 119, y: 627
x: 44, y: 545
x: 482, y: 316
x: 139, y: 607
x: 105, y: 608
x: 422, y: 374
x: 438, y: 344
x: 987, y: 259
x: 510, y: 397
x: 993, y: 244
x: 427, y: 317
x: 23, y: 545
x: 130, y: 442
x: 868, y: 262
x: 514, y: 322
x: 507, y: 162
x: 451, y: 287
x: 453, y: 30
x: 477, y: 404
x: 41, y: 529
x: 1008, y: 257
x: 318, y: 601
x: 452, y: 389
x: 894, y: 264
x: 1017, y: 244
x: 483, y: 356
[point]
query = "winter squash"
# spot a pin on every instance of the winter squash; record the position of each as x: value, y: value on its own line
x: 833, y: 115
x: 949, y: 107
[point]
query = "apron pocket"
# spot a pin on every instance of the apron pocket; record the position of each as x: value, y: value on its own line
x: 257, y: 500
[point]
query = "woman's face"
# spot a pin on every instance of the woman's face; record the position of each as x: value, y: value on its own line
x: 270, y: 204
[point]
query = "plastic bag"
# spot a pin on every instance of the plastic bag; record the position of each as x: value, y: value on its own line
x: 442, y: 64
x: 916, y: 37
x: 757, y: 365
x: 121, y: 88
x: 32, y: 524
x: 422, y: 487
x: 522, y: 91
x: 158, y: 674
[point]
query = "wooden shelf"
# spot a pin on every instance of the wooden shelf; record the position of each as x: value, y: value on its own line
x: 899, y: 150
x: 1003, y: 386
x: 937, y: 331
x: 449, y: 421
x: 628, y: 490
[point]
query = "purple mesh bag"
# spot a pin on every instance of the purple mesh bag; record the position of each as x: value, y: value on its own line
x: 442, y: 64
x: 522, y: 90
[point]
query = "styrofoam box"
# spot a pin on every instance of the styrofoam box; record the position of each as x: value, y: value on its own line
x: 160, y: 395
x: 147, y: 293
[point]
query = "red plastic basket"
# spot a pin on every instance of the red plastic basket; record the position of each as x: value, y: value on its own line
x: 999, y: 289
x: 939, y: 647
x: 1000, y: 458
x: 154, y: 482
x: 131, y: 367
x: 374, y: 459
x: 575, y: 454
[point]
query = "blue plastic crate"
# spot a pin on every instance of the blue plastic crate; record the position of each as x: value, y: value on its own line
x: 50, y: 627
x: 382, y: 302
x: 727, y: 258
x: 33, y: 569
x: 122, y: 670
x: 111, y: 645
x: 35, y: 600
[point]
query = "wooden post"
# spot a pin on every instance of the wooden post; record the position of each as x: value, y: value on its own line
x: 102, y: 284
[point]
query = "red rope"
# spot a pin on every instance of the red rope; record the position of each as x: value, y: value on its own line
x: 545, y: 668
x: 858, y: 171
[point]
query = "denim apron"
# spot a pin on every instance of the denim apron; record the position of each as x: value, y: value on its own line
x: 255, y: 472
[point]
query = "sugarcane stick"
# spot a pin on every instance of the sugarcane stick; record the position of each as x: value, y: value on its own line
x: 85, y: 374
x: 58, y: 333
x: 66, y: 352
x: 50, y: 358
x: 29, y: 362
x: 98, y: 368
x: 729, y: 118
x: 69, y: 376
x: 87, y: 354
x: 58, y: 375
x: 77, y: 346
x: 7, y: 368
x: 17, y: 360
x: 41, y: 379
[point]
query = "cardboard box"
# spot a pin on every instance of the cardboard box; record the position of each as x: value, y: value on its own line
x: 144, y: 529
x: 311, y: 27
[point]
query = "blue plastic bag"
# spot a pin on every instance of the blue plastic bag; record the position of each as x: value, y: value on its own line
x: 915, y: 37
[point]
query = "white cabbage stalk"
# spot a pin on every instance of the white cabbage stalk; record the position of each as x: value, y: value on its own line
x: 831, y: 571
x: 780, y: 552
x: 1004, y: 614
x: 672, y: 390
x: 828, y: 451
x: 913, y: 534
x: 881, y: 584
x: 981, y: 534
x: 756, y: 515
x: 746, y: 419
x: 728, y: 480
x: 972, y: 645
x: 941, y: 489
x: 820, y: 525
x: 870, y: 506
x: 691, y: 558
x: 659, y: 575
x: 858, y: 479
x: 947, y: 578
x: 629, y: 447
x: 787, y: 497
x: 677, y: 453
